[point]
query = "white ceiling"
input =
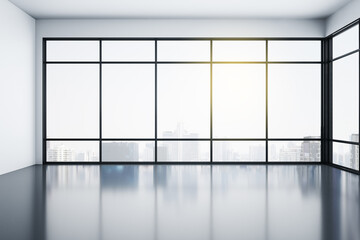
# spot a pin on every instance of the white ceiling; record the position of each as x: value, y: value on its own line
x: 180, y: 8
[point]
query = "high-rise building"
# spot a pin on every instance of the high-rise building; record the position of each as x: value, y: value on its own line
x: 354, y: 156
x: 59, y: 153
x: 310, y: 150
x: 122, y: 151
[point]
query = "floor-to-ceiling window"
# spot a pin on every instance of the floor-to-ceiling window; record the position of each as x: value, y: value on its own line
x: 345, y: 78
x: 182, y: 100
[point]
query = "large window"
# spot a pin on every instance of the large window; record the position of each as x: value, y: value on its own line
x: 182, y: 100
x: 345, y: 94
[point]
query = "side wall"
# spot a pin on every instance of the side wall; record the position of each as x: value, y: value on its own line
x: 161, y: 28
x: 17, y: 82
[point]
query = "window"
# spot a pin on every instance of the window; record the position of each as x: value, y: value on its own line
x: 72, y: 151
x: 189, y: 100
x: 346, y: 42
x: 184, y: 51
x: 294, y: 151
x: 239, y: 104
x: 81, y: 51
x: 132, y: 151
x: 345, y: 98
x: 183, y: 101
x: 72, y: 101
x: 241, y: 151
x: 128, y: 51
x: 237, y: 51
x: 293, y: 51
x: 189, y: 151
x: 346, y: 155
x: 128, y: 106
x: 294, y: 100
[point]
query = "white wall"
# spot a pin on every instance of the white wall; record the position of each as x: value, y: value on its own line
x: 17, y: 78
x: 161, y: 28
x: 344, y: 16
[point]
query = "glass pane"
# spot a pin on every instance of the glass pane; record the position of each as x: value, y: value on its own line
x: 184, y: 101
x: 293, y: 151
x: 183, y: 51
x: 239, y: 51
x: 294, y: 100
x: 239, y: 100
x: 346, y: 41
x: 72, y: 151
x: 128, y: 101
x: 128, y: 151
x: 179, y: 151
x: 248, y: 151
x: 294, y: 51
x: 346, y: 155
x: 72, y: 101
x: 128, y: 50
x: 346, y: 97
x: 72, y: 51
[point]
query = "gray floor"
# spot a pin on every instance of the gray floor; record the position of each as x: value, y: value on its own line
x: 180, y: 202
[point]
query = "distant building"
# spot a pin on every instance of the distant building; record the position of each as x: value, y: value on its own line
x: 354, y: 156
x: 162, y: 153
x: 256, y: 153
x: 179, y: 150
x: 291, y: 152
x: 59, y: 153
x: 310, y: 150
x: 120, y: 151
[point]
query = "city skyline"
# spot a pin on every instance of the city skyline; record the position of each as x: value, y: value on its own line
x: 194, y: 150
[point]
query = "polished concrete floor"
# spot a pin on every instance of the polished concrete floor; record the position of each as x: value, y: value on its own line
x: 182, y: 202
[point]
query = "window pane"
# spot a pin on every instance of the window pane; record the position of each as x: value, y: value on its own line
x: 346, y: 97
x: 307, y: 151
x: 183, y: 51
x: 184, y: 101
x: 128, y: 100
x: 346, y: 155
x: 294, y: 51
x: 250, y: 151
x: 239, y: 51
x: 179, y: 151
x: 128, y: 50
x: 346, y: 41
x: 72, y: 151
x: 294, y: 100
x: 72, y: 101
x: 140, y: 151
x: 239, y: 100
x: 72, y: 51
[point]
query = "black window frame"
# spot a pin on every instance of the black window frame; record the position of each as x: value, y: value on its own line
x: 325, y: 139
x: 328, y: 96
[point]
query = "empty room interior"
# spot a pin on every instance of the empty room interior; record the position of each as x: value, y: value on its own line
x: 179, y: 120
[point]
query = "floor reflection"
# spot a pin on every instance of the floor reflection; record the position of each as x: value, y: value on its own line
x: 164, y: 202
